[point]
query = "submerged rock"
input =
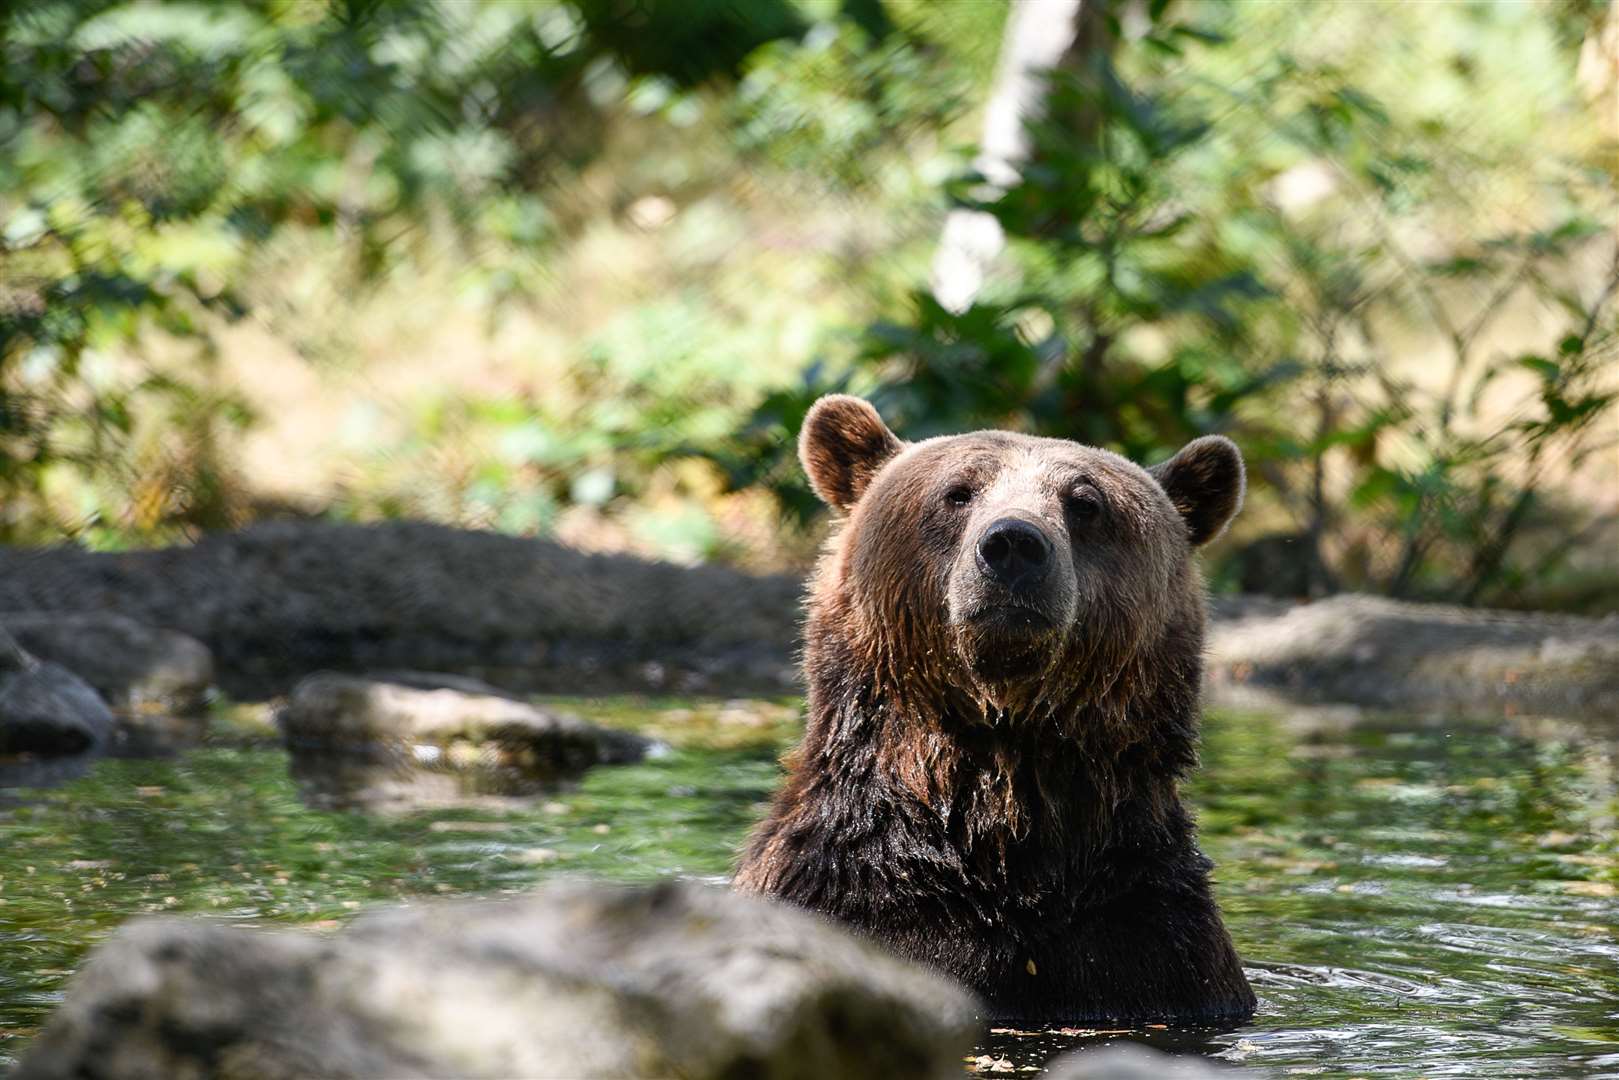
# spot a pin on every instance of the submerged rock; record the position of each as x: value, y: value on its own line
x: 47, y: 710
x: 1132, y: 1061
x: 579, y: 980
x: 131, y: 665
x: 403, y: 738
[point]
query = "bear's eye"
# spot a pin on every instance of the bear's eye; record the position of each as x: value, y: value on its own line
x: 959, y: 495
x: 1084, y: 502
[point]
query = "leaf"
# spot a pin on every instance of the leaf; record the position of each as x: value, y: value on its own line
x: 1548, y: 370
x: 1462, y: 266
x: 1363, y: 103
x: 1205, y: 35
x: 1379, y: 484
x: 1166, y: 46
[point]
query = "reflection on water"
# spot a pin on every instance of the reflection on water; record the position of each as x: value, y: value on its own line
x: 1421, y: 897
x: 386, y: 779
x: 1412, y: 898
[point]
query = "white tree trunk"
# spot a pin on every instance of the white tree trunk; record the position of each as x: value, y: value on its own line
x: 1038, y: 33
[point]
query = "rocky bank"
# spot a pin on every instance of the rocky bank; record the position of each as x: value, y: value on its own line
x: 279, y: 601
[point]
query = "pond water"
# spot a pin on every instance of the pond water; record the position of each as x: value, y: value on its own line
x: 1412, y: 897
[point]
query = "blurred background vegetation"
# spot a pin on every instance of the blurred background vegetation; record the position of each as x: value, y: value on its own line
x: 577, y: 269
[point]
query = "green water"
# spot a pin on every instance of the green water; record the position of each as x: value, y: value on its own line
x: 1413, y: 899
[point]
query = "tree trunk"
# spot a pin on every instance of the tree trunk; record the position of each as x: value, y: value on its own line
x: 1040, y: 35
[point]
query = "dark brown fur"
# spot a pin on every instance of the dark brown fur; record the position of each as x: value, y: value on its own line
x: 1003, y: 802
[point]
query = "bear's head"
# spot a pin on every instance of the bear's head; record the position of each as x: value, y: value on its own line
x: 1015, y: 572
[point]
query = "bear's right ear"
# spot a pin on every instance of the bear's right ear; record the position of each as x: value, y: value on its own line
x: 842, y: 444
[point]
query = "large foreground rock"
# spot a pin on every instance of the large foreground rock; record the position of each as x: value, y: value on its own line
x: 577, y: 981
x: 408, y: 738
x: 134, y: 667
x: 277, y: 601
x: 45, y: 709
x: 1368, y: 650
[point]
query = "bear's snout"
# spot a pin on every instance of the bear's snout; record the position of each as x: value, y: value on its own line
x: 1015, y: 554
x: 1012, y: 595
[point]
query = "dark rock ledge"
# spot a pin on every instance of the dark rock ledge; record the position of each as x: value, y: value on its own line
x: 136, y: 668
x: 276, y: 602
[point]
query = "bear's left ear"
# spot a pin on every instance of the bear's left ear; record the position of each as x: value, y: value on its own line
x: 1205, y: 481
x: 842, y: 444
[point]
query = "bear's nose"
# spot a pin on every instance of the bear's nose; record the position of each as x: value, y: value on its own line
x: 1014, y: 553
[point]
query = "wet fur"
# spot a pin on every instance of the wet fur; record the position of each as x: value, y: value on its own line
x: 1022, y: 830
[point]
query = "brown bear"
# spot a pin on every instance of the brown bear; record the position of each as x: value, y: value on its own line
x: 1004, y: 656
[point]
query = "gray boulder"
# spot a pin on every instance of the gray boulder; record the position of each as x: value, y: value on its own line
x: 578, y: 980
x: 405, y: 739
x: 281, y: 599
x: 45, y: 709
x: 133, y: 666
x: 1371, y: 651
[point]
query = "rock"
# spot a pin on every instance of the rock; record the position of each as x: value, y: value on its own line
x: 404, y: 739
x: 578, y: 980
x: 441, y: 680
x: 45, y: 709
x: 20, y: 775
x: 134, y: 667
x: 1281, y: 564
x: 278, y: 600
x: 1133, y: 1061
x: 411, y: 710
x: 1367, y: 650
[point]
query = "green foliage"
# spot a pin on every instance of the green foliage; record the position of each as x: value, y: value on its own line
x: 612, y: 434
x: 831, y: 103
x: 158, y: 158
x: 1105, y: 254
x: 1325, y: 230
x: 150, y: 148
x: 1209, y: 239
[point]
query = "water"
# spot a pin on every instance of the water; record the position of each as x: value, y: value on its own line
x: 1412, y: 898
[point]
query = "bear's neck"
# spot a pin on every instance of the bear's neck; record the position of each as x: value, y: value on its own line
x: 1076, y: 768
